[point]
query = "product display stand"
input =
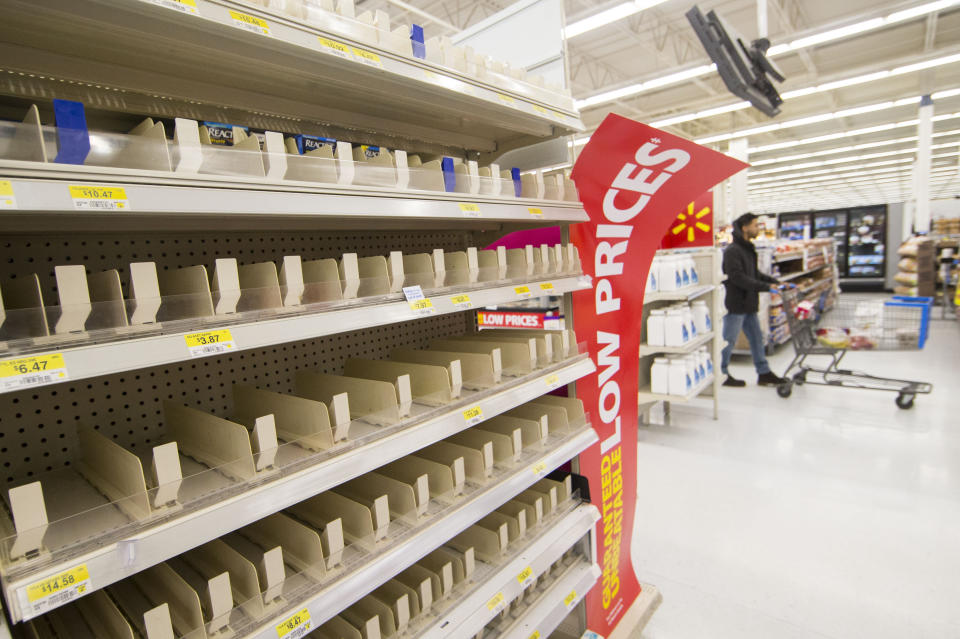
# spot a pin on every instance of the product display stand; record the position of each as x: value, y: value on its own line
x: 242, y: 389
x: 709, y: 289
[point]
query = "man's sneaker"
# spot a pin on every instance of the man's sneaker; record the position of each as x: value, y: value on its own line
x: 769, y: 379
x: 731, y: 381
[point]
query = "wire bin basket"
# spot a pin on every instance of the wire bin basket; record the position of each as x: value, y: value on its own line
x: 898, y: 323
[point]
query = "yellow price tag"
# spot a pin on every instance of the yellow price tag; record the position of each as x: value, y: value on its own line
x: 183, y: 6
x: 38, y: 370
x: 506, y: 99
x: 295, y: 626
x: 461, y: 301
x: 540, y: 109
x: 367, y: 57
x: 55, y: 590
x: 552, y: 381
x: 534, y: 635
x: 210, y: 342
x: 470, y: 209
x: 473, y: 415
x: 7, y: 199
x: 250, y: 23
x: 533, y: 210
x: 522, y: 291
x: 539, y: 468
x: 334, y: 47
x: 568, y: 601
x: 97, y: 197
x: 546, y: 286
x: 423, y: 307
x: 496, y: 602
x: 525, y: 575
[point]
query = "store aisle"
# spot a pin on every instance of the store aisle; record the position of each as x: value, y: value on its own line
x: 831, y: 514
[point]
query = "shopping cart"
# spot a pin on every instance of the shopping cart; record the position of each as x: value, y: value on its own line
x: 899, y: 323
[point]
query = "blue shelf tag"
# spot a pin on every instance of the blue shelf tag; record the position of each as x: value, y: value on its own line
x: 517, y: 185
x: 73, y: 139
x: 417, y: 42
x: 449, y: 175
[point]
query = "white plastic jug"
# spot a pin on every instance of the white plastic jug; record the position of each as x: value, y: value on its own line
x: 680, y: 382
x: 701, y: 317
x: 689, y: 321
x: 693, y: 369
x: 683, y: 266
x: 675, y: 330
x: 660, y: 376
x: 670, y: 279
x: 656, y: 322
x: 692, y: 267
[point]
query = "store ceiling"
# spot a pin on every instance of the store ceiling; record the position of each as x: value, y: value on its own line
x: 873, y: 82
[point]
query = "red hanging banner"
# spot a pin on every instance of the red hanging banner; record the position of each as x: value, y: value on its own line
x: 693, y: 226
x: 633, y: 180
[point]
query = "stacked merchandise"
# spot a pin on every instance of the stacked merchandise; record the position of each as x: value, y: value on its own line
x: 946, y: 226
x: 672, y: 272
x: 680, y: 340
x: 679, y: 375
x: 917, y: 273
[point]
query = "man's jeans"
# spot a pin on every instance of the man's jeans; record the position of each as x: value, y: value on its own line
x: 750, y: 323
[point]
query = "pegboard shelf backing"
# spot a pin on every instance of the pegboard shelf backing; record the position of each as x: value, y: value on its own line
x: 38, y: 426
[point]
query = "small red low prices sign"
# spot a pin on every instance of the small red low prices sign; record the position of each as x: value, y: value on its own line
x: 633, y: 180
x: 512, y: 319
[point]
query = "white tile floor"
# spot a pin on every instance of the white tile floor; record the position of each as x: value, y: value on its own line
x: 831, y: 514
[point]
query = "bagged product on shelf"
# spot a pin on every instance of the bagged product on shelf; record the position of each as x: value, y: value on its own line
x: 908, y: 264
x: 906, y: 278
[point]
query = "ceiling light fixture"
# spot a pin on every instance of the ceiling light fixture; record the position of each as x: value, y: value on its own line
x: 607, y: 16
x: 821, y: 117
x: 822, y: 37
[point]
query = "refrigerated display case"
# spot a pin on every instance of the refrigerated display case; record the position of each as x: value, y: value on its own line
x: 866, y: 242
x: 833, y: 224
x: 794, y: 226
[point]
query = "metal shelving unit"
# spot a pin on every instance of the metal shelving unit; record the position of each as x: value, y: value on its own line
x: 85, y: 361
x: 474, y: 610
x: 295, y: 78
x: 126, y: 552
x: 339, y: 593
x: 708, y: 262
x: 153, y: 195
x: 544, y: 615
x: 689, y: 347
x: 683, y: 295
x: 195, y: 58
x: 647, y: 397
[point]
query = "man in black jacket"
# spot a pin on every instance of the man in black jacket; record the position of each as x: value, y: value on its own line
x: 744, y: 284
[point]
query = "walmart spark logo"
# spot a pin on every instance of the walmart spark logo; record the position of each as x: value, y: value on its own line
x: 688, y: 222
